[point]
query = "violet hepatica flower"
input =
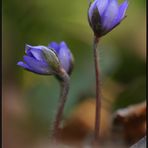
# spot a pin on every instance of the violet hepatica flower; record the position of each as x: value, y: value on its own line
x: 47, y: 60
x: 104, y: 15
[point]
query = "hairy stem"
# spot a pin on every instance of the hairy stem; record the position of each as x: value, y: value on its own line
x: 98, y: 99
x: 63, y: 78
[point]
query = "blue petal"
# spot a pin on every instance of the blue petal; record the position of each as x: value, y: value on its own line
x: 63, y: 45
x: 38, y: 54
x: 31, y: 51
x: 122, y: 9
x: 22, y: 64
x: 55, y: 46
x: 121, y: 13
x: 65, y: 58
x: 27, y: 50
x: 35, y: 52
x: 102, y: 5
x: 25, y: 66
x: 110, y: 14
x: 29, y: 47
x: 91, y: 9
x: 37, y: 66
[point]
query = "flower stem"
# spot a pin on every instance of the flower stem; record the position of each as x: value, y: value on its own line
x: 98, y: 99
x: 63, y: 78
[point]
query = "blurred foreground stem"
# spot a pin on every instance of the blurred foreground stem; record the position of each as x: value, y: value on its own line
x: 98, y: 98
x: 63, y: 78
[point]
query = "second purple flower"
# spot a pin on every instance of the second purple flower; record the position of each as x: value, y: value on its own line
x: 104, y: 15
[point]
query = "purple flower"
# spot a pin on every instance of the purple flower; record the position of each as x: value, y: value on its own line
x: 47, y: 60
x: 104, y: 15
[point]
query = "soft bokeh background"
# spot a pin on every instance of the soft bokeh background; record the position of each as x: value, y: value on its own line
x: 29, y: 100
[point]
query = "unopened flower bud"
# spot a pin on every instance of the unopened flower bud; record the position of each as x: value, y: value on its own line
x: 104, y: 15
x: 47, y: 60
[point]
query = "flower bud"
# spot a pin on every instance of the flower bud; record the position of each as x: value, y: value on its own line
x: 47, y: 60
x: 104, y: 15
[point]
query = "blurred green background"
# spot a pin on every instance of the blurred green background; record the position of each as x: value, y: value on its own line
x: 122, y: 58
